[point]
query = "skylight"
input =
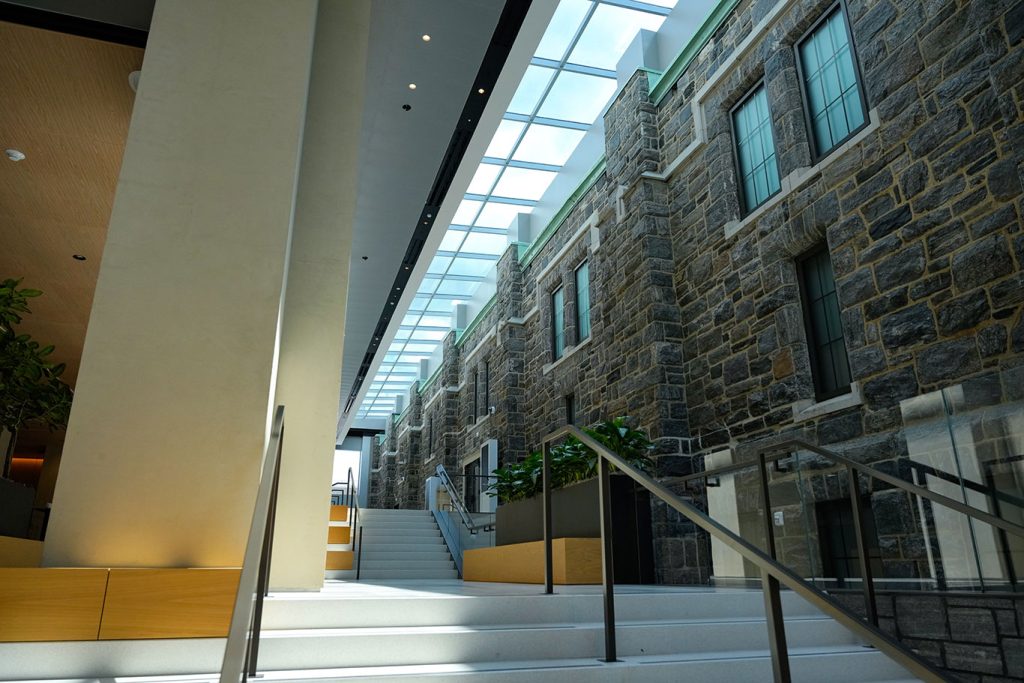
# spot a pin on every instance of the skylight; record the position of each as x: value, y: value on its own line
x: 568, y: 84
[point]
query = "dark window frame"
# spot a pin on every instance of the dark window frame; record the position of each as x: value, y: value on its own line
x: 570, y: 409
x: 820, y: 394
x: 487, y: 388
x: 744, y: 211
x: 476, y: 396
x: 816, y: 154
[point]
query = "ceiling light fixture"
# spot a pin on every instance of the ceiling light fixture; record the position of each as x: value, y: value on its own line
x: 14, y: 154
x: 412, y: 86
x: 481, y: 91
x: 78, y: 257
x: 133, y: 80
x: 426, y: 38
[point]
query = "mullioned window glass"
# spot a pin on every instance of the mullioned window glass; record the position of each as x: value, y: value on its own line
x: 755, y: 150
x: 834, y: 100
x: 583, y: 301
x: 831, y: 367
x: 558, y: 322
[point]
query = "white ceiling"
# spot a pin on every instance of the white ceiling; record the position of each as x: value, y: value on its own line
x: 400, y: 151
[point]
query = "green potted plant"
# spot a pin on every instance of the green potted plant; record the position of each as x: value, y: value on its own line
x: 31, y: 390
x: 574, y: 496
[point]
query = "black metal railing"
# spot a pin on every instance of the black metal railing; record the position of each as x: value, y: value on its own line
x: 774, y: 575
x: 242, y: 650
x: 343, y: 492
x: 458, y: 504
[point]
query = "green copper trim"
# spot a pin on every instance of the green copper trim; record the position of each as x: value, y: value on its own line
x: 556, y: 222
x: 690, y: 51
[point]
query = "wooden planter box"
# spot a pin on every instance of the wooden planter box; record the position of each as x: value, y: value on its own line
x: 575, y: 514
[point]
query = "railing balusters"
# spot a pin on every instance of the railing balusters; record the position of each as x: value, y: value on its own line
x: 870, y: 605
x: 607, y: 559
x: 549, y: 578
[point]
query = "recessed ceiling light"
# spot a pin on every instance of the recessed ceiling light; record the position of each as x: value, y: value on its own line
x: 481, y: 91
x: 14, y: 154
x: 412, y: 86
x: 78, y: 257
x: 426, y: 38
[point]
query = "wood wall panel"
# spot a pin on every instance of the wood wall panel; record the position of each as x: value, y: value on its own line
x: 51, y: 604
x: 339, y: 534
x: 574, y: 560
x: 168, y: 603
x: 339, y: 559
x: 20, y: 552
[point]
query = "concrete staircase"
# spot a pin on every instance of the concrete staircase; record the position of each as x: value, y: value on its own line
x: 400, y: 545
x: 431, y: 632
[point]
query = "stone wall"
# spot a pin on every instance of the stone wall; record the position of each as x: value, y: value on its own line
x: 697, y: 325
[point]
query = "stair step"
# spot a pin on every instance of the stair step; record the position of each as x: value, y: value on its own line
x: 426, y: 564
x: 402, y: 542
x: 425, y: 553
x: 393, y: 574
x: 396, y: 532
x: 285, y: 611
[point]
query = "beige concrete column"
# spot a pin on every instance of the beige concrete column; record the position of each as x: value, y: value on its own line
x: 314, y: 317
x: 171, y: 410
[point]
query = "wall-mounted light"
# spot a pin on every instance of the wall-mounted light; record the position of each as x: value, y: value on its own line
x: 15, y: 154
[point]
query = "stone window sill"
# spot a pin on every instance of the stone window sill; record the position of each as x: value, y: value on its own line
x: 480, y: 420
x: 810, y: 409
x: 569, y: 351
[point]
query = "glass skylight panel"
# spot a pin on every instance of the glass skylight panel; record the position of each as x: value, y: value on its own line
x: 564, y: 24
x: 436, y: 320
x: 485, y: 243
x: 460, y: 287
x: 578, y: 97
x: 499, y: 215
x: 466, y: 212
x: 428, y: 335
x: 524, y: 183
x: 608, y: 34
x: 428, y: 285
x: 439, y: 264
x: 504, y: 139
x: 548, y: 145
x: 535, y: 80
x: 483, y: 179
x: 420, y: 347
x: 469, y: 266
x: 437, y: 305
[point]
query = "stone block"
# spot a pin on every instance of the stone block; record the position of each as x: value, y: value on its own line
x: 910, y: 326
x: 970, y: 625
x: 921, y: 617
x: 974, y: 658
x: 962, y: 313
x: 948, y: 360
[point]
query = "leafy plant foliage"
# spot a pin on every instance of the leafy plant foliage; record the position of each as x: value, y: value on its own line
x: 30, y: 386
x: 572, y: 461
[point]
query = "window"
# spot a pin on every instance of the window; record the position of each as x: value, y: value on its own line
x: 829, y: 365
x: 558, y: 322
x: 837, y: 540
x: 582, y: 302
x: 570, y: 409
x: 835, y: 102
x: 475, y: 410
x: 487, y: 387
x: 430, y: 436
x: 755, y: 149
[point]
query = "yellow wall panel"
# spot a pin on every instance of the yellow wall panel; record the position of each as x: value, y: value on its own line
x: 339, y: 559
x: 339, y: 534
x: 339, y: 513
x: 51, y: 604
x: 168, y: 603
x: 574, y: 561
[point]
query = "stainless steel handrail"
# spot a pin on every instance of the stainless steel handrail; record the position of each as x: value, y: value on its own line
x: 458, y: 503
x: 772, y: 572
x: 242, y: 649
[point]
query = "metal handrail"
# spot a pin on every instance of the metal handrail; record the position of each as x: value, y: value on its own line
x: 772, y: 572
x: 459, y: 504
x: 349, y: 485
x: 242, y: 649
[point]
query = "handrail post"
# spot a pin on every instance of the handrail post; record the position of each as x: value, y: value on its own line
x: 770, y: 586
x: 607, y: 558
x: 867, y: 579
x: 549, y: 578
x: 359, y: 555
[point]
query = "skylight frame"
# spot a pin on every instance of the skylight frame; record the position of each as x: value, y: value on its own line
x: 375, y: 402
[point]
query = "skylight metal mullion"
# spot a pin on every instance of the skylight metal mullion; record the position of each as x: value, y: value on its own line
x: 544, y: 121
x: 498, y: 199
x: 574, y: 68
x: 528, y: 165
x: 637, y: 5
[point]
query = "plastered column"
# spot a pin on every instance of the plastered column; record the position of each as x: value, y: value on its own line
x: 314, y: 319
x: 171, y: 411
